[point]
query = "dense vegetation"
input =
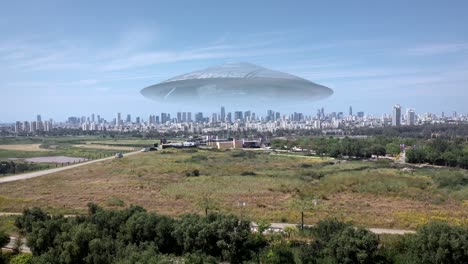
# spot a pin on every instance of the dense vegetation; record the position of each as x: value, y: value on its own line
x: 437, y: 151
x: 136, y: 236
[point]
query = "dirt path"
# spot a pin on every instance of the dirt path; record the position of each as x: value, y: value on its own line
x: 276, y: 227
x: 30, y: 175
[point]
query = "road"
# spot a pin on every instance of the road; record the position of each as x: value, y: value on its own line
x: 378, y: 231
x: 35, y: 174
x: 13, y: 244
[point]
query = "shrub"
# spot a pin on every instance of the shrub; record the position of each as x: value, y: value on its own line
x: 353, y: 246
x: 248, y: 173
x: 115, y: 202
x: 21, y: 259
x: 439, y: 243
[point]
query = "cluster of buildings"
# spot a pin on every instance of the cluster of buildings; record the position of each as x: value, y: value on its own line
x: 240, y: 120
x: 33, y: 126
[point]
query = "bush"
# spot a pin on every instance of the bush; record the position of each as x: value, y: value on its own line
x: 21, y: 259
x: 115, y: 202
x: 278, y: 254
x: 248, y: 173
x: 353, y: 246
x: 4, y: 239
x: 439, y: 243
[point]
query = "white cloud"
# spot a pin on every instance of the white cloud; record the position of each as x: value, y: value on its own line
x: 435, y: 49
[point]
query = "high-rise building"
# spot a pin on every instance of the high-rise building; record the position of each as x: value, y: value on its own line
x: 223, y: 114
x: 33, y: 126
x: 270, y: 115
x: 164, y: 118
x: 137, y: 120
x: 360, y: 114
x: 410, y: 117
x: 18, y: 127
x: 39, y: 118
x: 184, y: 117
x: 247, y: 115
x: 26, y: 126
x: 350, y: 110
x: 229, y: 117
x: 129, y: 118
x: 179, y: 117
x: 92, y: 118
x: 238, y: 116
x: 396, y: 116
x: 199, y: 117
x: 118, y: 120
x: 189, y: 116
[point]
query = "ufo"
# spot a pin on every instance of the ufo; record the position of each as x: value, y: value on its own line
x: 240, y: 84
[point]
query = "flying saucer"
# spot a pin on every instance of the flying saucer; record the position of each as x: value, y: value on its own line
x: 237, y: 84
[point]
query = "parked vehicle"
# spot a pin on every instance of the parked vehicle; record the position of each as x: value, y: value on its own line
x: 118, y: 155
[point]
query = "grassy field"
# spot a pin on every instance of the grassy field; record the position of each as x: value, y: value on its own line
x: 23, y: 147
x: 373, y: 194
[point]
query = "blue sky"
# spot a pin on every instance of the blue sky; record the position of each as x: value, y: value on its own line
x: 73, y: 58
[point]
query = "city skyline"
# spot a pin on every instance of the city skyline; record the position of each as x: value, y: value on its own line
x: 69, y: 58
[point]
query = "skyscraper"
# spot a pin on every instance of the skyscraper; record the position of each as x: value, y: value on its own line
x: 410, y: 117
x: 396, y: 117
x: 223, y: 114
x: 350, y: 110
x: 179, y: 117
x: 118, y: 120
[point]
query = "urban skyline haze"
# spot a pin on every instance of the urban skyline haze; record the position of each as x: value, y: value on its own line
x: 64, y: 59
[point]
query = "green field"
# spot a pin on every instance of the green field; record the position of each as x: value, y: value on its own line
x: 373, y: 194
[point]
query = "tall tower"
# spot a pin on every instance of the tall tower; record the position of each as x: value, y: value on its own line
x: 396, y: 117
x: 350, y: 110
x: 223, y: 114
x: 119, y: 119
x: 410, y: 117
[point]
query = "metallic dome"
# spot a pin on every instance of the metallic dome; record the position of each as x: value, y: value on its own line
x: 236, y: 84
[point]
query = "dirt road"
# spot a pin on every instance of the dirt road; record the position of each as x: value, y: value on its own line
x: 30, y: 175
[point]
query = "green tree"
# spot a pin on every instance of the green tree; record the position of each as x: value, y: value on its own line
x: 353, y: 245
x: 439, y: 243
x: 392, y: 148
x: 21, y: 259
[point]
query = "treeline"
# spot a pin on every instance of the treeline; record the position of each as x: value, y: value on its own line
x: 341, y: 147
x: 444, y: 131
x: 136, y: 236
x: 11, y: 167
x: 440, y: 152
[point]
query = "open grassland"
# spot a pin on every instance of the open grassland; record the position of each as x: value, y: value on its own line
x: 23, y: 147
x: 373, y: 194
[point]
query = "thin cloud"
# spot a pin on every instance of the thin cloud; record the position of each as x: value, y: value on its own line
x: 435, y: 49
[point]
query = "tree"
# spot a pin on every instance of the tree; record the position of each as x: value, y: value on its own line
x: 304, y: 204
x: 21, y: 259
x: 208, y: 203
x: 353, y: 245
x: 4, y: 239
x: 392, y: 148
x: 439, y: 243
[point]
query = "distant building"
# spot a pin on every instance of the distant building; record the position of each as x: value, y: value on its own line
x: 396, y: 116
x: 350, y: 110
x: 223, y: 114
x: 360, y: 114
x: 410, y: 117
